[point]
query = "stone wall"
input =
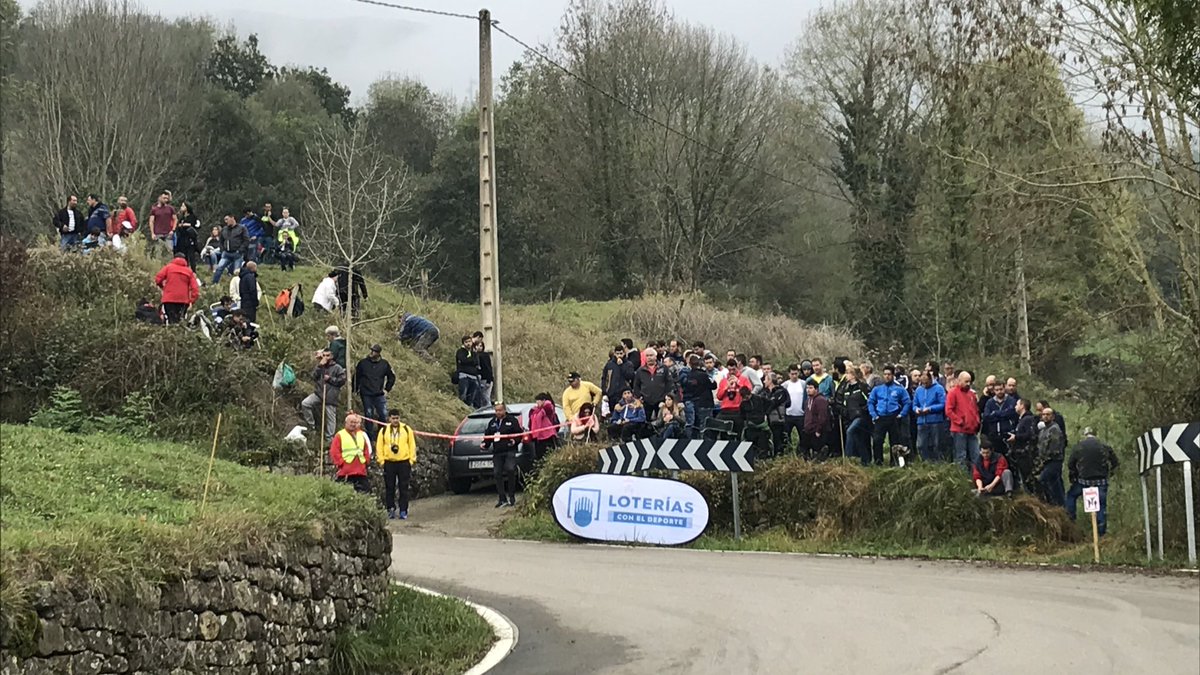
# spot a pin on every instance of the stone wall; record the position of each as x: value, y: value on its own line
x: 271, y: 610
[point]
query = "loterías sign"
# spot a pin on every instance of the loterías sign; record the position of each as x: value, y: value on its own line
x: 606, y: 507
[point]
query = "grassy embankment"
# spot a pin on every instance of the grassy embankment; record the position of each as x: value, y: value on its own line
x: 104, y: 509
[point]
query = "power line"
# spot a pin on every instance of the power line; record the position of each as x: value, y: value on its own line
x: 421, y: 10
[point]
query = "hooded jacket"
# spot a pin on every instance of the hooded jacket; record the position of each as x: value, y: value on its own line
x: 543, y: 421
x: 616, y: 378
x: 962, y: 410
x: 934, y: 398
x: 888, y: 400
x: 697, y: 387
x: 178, y: 283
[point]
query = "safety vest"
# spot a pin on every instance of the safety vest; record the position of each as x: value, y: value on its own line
x: 352, y: 449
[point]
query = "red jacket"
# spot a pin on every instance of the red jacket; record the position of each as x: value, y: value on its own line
x: 962, y: 409
x: 178, y: 282
x: 736, y: 381
x: 997, y: 467
x: 357, y: 451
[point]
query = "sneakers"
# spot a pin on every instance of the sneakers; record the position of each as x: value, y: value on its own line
x: 391, y: 514
x: 499, y: 504
x: 404, y: 515
x: 512, y: 502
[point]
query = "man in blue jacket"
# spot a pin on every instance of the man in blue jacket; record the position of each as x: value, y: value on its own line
x: 929, y: 404
x: 419, y: 333
x: 1000, y: 419
x: 888, y: 405
x: 254, y: 228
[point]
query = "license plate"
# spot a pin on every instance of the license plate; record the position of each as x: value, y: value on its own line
x: 480, y: 464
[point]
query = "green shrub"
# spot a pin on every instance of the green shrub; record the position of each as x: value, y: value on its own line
x: 64, y: 412
x: 555, y: 469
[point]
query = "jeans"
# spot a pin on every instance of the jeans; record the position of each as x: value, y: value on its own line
x: 424, y: 341
x: 230, y: 260
x: 966, y: 450
x: 468, y: 389
x: 778, y: 442
x: 702, y: 415
x: 929, y: 440
x: 396, y: 477
x: 252, y: 252
x: 311, y: 403
x: 1076, y: 492
x: 483, y: 397
x: 857, y: 427
x: 67, y: 241
x: 504, y: 470
x: 793, y: 422
x: 374, y: 407
x: 1052, y: 485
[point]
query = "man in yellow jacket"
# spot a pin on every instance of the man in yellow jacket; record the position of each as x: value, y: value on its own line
x: 577, y: 393
x: 396, y: 452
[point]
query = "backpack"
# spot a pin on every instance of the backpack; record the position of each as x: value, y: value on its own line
x: 283, y: 300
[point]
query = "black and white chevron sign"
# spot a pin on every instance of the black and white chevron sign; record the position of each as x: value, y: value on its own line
x: 1168, y: 445
x: 677, y: 455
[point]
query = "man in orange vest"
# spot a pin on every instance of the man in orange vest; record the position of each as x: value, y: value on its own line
x: 350, y: 452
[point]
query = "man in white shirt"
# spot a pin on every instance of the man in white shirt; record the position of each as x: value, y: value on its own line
x: 794, y: 415
x: 326, y: 295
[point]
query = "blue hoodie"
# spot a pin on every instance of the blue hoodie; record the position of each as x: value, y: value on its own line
x: 253, y: 225
x: 96, y: 219
x: 934, y: 398
x: 888, y: 400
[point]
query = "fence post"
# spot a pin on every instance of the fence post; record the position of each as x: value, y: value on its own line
x: 1189, y: 511
x: 1146, y: 514
x: 737, y: 507
x: 1158, y: 482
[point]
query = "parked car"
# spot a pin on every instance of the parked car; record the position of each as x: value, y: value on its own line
x: 469, y: 462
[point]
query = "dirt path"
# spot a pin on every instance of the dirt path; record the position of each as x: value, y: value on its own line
x: 469, y: 515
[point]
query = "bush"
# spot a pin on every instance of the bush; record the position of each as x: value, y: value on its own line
x: 555, y: 469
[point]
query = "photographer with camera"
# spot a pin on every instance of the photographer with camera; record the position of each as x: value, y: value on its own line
x: 396, y: 452
x: 729, y: 394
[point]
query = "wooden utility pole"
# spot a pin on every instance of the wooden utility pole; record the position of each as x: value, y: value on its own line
x: 1022, y: 308
x: 489, y: 264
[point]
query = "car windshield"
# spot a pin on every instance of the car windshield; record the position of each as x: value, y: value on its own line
x: 474, y: 426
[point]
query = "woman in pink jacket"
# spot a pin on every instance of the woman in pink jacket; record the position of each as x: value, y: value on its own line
x: 543, y: 425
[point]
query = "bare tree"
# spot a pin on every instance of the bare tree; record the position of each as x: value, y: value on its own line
x: 354, y: 194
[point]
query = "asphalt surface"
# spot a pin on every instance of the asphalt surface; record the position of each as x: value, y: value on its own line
x: 597, y: 609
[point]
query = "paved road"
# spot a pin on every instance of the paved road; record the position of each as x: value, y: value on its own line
x: 593, y: 609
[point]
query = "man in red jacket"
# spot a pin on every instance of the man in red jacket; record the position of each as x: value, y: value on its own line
x: 350, y: 452
x: 991, y: 474
x: 962, y: 409
x: 180, y: 288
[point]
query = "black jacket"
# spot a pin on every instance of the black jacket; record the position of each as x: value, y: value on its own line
x: 186, y: 238
x: 509, y: 424
x: 234, y: 239
x: 61, y: 220
x: 1091, y: 460
x: 616, y: 378
x: 466, y: 361
x: 780, y: 400
x: 485, y: 367
x: 374, y: 378
x: 652, y: 389
x: 697, y: 388
x: 344, y: 280
x: 754, y: 408
x: 850, y: 401
x: 248, y: 288
x: 1026, y: 436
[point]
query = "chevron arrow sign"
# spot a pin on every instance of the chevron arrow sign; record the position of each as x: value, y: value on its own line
x: 677, y: 455
x: 1169, y: 445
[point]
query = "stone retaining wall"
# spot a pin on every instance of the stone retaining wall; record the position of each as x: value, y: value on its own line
x: 270, y: 610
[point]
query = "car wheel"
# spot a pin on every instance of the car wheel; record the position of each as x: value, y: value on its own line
x: 460, y: 486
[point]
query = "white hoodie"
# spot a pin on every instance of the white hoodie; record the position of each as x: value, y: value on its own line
x: 326, y: 294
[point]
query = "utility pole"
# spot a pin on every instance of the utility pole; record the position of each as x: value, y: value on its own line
x: 489, y: 264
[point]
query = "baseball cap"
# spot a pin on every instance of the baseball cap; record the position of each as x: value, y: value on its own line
x: 376, y: 348
x: 573, y: 376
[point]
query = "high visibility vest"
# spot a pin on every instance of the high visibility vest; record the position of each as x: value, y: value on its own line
x: 352, y: 449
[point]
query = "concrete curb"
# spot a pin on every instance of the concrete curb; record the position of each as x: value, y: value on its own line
x: 505, y: 630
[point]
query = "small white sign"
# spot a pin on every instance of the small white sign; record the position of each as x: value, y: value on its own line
x: 608, y: 507
x: 1091, y: 500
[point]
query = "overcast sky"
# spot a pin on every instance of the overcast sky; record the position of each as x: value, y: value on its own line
x: 359, y: 43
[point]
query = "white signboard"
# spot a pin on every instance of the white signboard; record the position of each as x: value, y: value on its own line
x: 1091, y: 500
x: 607, y: 507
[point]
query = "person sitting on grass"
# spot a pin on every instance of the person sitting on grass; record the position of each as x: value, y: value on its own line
x: 585, y: 426
x: 241, y: 332
x: 990, y: 471
x: 350, y: 452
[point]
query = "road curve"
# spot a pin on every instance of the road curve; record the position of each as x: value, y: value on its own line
x: 597, y: 609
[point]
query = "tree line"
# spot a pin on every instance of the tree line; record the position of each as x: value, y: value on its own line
x: 1015, y: 177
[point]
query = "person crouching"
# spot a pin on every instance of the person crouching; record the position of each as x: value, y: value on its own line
x: 350, y: 452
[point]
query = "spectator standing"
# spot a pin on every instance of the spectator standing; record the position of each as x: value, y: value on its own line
x: 329, y: 379
x: 373, y: 380
x: 1058, y: 419
x: 254, y: 231
x: 345, y: 280
x: 652, y: 383
x: 187, y: 235
x: 267, y: 224
x: 1010, y: 389
x: 1090, y: 465
x: 929, y: 404
x: 577, y: 393
x: 124, y: 220
x: 963, y: 412
x: 754, y: 409
x: 889, y: 405
x: 350, y: 452
x: 617, y: 375
x: 628, y: 419
x: 948, y: 378
x: 543, y: 425
x: 991, y: 473
x: 180, y: 288
x: 749, y: 373
x: 487, y: 376
x: 779, y: 399
x: 501, y: 438
x: 1051, y: 445
x: 466, y: 367
x: 286, y: 222
x: 870, y: 377
x: 1022, y: 447
x: 698, y: 389
x: 396, y: 452
x: 69, y: 223
x: 418, y: 332
x: 163, y: 220
x: 248, y: 291
x: 634, y: 356
x: 337, y: 345
x: 234, y: 242
x: 326, y: 295
x: 852, y: 398
x: 817, y: 423
x: 729, y: 394
x: 999, y: 419
x: 797, y: 391
x: 99, y: 218
x: 988, y: 393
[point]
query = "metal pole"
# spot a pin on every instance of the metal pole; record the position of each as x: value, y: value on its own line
x: 1158, y: 496
x: 1189, y: 511
x: 489, y: 266
x: 1146, y: 513
x: 737, y: 507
